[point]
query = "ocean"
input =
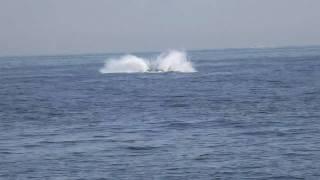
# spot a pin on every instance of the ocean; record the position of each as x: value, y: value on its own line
x: 212, y: 114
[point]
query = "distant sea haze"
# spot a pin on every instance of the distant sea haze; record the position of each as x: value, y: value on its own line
x: 213, y: 114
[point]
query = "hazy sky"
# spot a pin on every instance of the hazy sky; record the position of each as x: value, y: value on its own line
x: 30, y: 27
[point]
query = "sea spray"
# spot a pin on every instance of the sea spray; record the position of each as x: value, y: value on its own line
x: 126, y: 64
x: 172, y: 61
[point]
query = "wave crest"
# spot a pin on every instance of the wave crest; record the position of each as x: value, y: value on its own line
x: 172, y: 61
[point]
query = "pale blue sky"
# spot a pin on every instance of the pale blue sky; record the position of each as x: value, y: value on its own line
x: 32, y: 27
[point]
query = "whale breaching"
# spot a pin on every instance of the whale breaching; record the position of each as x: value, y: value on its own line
x: 171, y: 61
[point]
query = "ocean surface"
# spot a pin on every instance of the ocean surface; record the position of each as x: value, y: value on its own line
x: 213, y: 114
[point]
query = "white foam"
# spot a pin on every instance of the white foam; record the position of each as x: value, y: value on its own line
x: 126, y: 64
x: 172, y: 61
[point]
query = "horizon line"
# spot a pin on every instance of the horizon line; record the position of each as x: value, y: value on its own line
x: 157, y: 51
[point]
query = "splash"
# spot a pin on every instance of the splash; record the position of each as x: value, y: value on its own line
x: 126, y: 64
x: 172, y: 61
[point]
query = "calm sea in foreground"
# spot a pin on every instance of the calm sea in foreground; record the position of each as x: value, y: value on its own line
x: 245, y: 114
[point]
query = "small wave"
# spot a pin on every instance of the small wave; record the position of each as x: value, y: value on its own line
x: 172, y: 61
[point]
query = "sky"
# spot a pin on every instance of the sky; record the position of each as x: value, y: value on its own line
x: 48, y: 27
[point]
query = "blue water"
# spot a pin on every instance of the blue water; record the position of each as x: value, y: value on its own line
x: 246, y: 114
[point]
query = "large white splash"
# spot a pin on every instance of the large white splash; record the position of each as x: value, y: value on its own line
x: 126, y: 64
x: 172, y: 61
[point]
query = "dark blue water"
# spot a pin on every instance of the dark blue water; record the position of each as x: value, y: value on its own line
x: 246, y: 114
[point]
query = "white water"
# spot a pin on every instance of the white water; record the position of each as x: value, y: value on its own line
x: 173, y: 61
